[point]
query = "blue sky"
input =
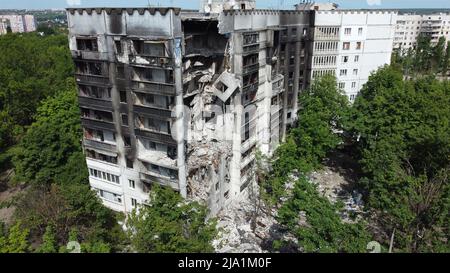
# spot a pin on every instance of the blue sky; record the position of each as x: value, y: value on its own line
x: 193, y: 4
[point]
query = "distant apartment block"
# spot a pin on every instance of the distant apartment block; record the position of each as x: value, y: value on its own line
x: 352, y: 44
x: 4, y: 23
x: 185, y: 99
x: 17, y: 23
x: 410, y: 26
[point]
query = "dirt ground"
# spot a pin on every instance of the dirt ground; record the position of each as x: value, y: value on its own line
x: 7, y: 193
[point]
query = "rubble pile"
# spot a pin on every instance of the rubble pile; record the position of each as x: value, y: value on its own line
x: 336, y: 187
x: 236, y: 234
x: 202, y: 164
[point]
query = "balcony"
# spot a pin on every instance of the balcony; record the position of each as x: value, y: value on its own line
x: 90, y: 143
x: 97, y: 124
x: 147, y: 178
x: 250, y: 87
x: 156, y: 61
x: 153, y: 88
x: 154, y: 136
x: 92, y: 79
x: 157, y: 112
x: 247, y: 50
x: 248, y: 69
x: 89, y: 55
x: 95, y: 103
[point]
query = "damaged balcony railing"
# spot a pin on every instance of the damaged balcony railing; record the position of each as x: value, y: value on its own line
x: 89, y: 79
x: 99, y: 145
x: 250, y: 68
x: 151, y: 87
x: 147, y: 178
x: 164, y: 62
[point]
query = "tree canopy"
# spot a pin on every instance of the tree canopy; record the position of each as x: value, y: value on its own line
x: 170, y: 224
x: 401, y: 130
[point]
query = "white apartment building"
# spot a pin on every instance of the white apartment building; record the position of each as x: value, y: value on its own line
x: 410, y: 26
x: 3, y: 26
x: 18, y: 23
x: 352, y: 45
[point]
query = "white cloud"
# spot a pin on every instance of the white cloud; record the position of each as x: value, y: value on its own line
x: 73, y: 2
x: 374, y: 2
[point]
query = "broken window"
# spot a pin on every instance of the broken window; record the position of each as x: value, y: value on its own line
x: 87, y: 44
x: 251, y: 39
x: 153, y: 75
x: 150, y: 48
x: 127, y: 141
x: 123, y: 96
x: 125, y: 120
x: 92, y: 134
x: 102, y: 157
x: 89, y: 68
x: 120, y: 69
x: 129, y: 163
x: 95, y: 92
x: 247, y: 127
x: 118, y: 45
x: 97, y: 115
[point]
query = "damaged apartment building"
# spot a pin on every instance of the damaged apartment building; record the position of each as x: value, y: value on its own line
x: 185, y: 99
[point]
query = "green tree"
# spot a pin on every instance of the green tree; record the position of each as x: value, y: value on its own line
x: 401, y: 129
x: 170, y: 224
x: 51, y: 149
x: 31, y: 69
x: 322, y: 108
x: 316, y: 223
x: 49, y: 243
x: 16, y: 241
x: 439, y: 54
x: 445, y: 62
x: 74, y: 212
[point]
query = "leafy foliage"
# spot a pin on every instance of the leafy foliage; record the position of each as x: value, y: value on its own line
x: 60, y: 210
x: 401, y: 129
x: 16, y: 241
x: 425, y: 58
x: 31, y: 69
x: 320, y: 119
x: 310, y: 217
x: 170, y: 224
x: 51, y: 150
x: 316, y: 222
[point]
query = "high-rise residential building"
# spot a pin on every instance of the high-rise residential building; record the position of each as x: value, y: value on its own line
x: 409, y: 26
x: 186, y: 99
x: 352, y: 44
x: 4, y: 23
x: 19, y: 23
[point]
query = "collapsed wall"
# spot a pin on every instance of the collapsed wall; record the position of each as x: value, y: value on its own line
x: 208, y: 151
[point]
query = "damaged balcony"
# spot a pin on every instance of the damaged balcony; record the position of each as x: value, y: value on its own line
x: 153, y: 81
x: 97, y: 119
x: 202, y: 38
x: 151, y: 53
x: 91, y: 72
x: 154, y: 105
x: 165, y: 176
x: 154, y: 129
x: 95, y: 97
x: 104, y: 156
x: 87, y: 48
x: 157, y: 153
x: 99, y: 139
x: 250, y: 64
x: 150, y: 179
